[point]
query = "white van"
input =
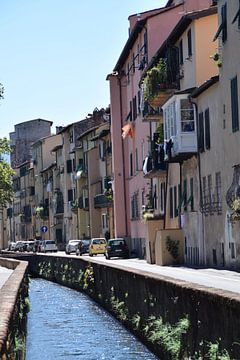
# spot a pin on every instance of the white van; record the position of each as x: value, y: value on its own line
x: 49, y: 245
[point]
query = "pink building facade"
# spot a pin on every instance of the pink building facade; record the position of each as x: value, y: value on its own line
x: 131, y: 136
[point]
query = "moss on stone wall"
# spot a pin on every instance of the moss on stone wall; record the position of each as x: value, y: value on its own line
x: 176, y: 322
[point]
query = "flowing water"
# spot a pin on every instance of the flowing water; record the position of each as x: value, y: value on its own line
x: 66, y: 324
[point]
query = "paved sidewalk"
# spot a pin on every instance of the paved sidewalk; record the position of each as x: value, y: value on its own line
x: 4, y: 275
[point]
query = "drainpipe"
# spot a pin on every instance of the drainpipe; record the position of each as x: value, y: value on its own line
x: 200, y: 181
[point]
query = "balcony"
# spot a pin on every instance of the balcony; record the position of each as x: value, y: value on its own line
x: 101, y: 201
x: 151, y: 114
x: 154, y: 165
x: 161, y: 81
x: 180, y: 129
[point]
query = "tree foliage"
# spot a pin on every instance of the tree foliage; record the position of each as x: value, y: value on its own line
x: 6, y: 173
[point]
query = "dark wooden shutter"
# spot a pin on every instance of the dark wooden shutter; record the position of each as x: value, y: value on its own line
x: 207, y: 130
x: 181, y: 52
x: 69, y: 166
x: 200, y: 132
x: 224, y: 22
x: 234, y: 103
x: 171, y: 203
x: 189, y: 38
x: 70, y: 195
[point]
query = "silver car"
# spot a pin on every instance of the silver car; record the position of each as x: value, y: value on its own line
x: 72, y: 246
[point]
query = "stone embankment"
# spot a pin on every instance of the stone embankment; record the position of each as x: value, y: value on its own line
x: 175, y: 319
x: 14, y: 306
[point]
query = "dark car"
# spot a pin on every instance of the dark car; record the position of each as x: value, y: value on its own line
x: 117, y: 247
x: 83, y: 247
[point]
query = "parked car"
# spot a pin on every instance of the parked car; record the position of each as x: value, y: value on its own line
x: 31, y: 246
x: 12, y: 246
x: 117, y: 247
x: 97, y: 246
x: 20, y: 246
x: 72, y: 246
x: 48, y: 245
x: 83, y: 247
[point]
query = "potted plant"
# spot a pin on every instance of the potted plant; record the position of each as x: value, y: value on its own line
x: 154, y: 81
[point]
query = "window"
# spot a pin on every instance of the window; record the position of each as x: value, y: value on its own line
x: 135, y: 206
x: 133, y: 63
x: 70, y: 195
x: 69, y: 166
x: 191, y: 195
x: 189, y: 40
x: 200, y: 132
x: 162, y: 196
x: 181, y: 52
x: 104, y: 221
x: 171, y: 203
x: 131, y: 164
x: 145, y: 43
x: 134, y: 103
x: 175, y: 201
x: 207, y: 129
x: 136, y: 158
x: 234, y: 104
x: 71, y: 137
x: 130, y: 111
x: 232, y: 249
x: 187, y: 116
x: 209, y: 178
x: 185, y: 194
x: 170, y: 128
x: 223, y: 26
x: 218, y: 192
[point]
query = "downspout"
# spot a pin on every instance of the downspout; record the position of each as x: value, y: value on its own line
x: 123, y: 155
x: 200, y: 181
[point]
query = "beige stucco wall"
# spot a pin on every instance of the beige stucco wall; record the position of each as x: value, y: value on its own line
x: 205, y: 28
x: 151, y: 228
x: 163, y: 257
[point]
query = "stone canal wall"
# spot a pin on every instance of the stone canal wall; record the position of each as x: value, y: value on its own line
x: 175, y: 319
x: 14, y: 306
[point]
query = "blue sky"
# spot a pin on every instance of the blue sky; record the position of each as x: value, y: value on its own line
x: 56, y: 54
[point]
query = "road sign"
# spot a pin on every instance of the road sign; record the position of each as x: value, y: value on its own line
x: 44, y: 229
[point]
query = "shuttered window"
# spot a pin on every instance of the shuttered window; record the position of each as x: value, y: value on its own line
x: 189, y: 39
x: 200, y: 132
x: 191, y: 195
x: 185, y: 194
x: 223, y: 26
x: 234, y: 104
x: 69, y: 166
x: 70, y: 195
x: 207, y: 129
x: 175, y: 201
x: 181, y: 52
x: 171, y: 203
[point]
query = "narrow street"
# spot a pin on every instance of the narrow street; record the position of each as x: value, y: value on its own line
x: 208, y: 277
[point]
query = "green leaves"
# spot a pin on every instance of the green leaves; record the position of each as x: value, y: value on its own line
x: 6, y: 173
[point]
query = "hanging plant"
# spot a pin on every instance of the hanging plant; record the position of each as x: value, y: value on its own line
x: 217, y: 58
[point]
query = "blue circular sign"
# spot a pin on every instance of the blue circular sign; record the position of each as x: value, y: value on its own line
x: 44, y: 229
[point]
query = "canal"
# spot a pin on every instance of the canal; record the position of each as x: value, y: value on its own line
x: 66, y: 324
